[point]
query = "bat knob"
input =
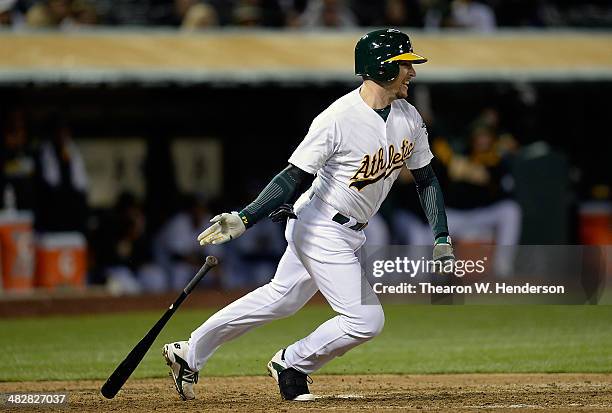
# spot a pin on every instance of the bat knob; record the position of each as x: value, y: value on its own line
x: 211, y: 261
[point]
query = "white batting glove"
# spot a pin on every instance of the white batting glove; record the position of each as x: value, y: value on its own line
x: 225, y: 227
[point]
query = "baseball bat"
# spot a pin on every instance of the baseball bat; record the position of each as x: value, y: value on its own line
x: 128, y: 365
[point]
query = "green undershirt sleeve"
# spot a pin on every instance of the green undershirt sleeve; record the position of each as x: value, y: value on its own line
x: 284, y: 188
x: 432, y: 200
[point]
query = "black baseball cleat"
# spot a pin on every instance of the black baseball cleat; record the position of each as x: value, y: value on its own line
x: 293, y: 384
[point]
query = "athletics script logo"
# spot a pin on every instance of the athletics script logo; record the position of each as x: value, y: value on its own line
x: 375, y: 167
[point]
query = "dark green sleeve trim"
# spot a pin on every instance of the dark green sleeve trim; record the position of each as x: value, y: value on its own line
x: 432, y: 200
x: 284, y: 188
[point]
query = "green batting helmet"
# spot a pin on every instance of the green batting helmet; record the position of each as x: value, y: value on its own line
x: 378, y: 53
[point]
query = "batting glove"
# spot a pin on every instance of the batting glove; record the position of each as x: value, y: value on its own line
x: 283, y: 213
x: 225, y: 227
x: 443, y: 251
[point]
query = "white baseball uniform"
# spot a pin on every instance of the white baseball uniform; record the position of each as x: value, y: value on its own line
x: 356, y: 157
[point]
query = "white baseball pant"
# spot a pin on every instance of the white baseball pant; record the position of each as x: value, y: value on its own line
x: 321, y: 255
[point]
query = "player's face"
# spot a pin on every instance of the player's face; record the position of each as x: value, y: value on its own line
x: 399, y: 85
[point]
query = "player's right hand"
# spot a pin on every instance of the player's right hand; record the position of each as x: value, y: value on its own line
x: 225, y: 227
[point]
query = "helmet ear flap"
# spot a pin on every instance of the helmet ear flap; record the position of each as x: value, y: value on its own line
x: 384, y: 72
x: 388, y: 71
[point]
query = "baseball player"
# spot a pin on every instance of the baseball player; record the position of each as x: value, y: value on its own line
x: 340, y: 174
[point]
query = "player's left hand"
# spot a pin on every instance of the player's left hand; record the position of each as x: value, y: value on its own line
x: 443, y: 251
x: 225, y: 227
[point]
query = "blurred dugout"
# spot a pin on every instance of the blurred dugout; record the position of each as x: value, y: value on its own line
x: 190, y: 114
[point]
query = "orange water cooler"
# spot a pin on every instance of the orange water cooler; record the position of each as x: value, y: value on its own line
x: 61, y: 260
x: 16, y: 250
x: 596, y: 223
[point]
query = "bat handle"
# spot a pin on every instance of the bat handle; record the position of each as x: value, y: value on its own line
x: 210, y: 263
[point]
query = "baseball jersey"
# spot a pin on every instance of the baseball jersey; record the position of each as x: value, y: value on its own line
x: 357, y: 156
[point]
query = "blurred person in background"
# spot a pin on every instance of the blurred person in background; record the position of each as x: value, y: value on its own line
x: 408, y: 222
x: 327, y: 14
x: 10, y: 16
x: 17, y: 162
x: 195, y: 15
x: 574, y: 13
x: 396, y: 13
x: 367, y: 12
x: 123, y: 256
x: 473, y: 15
x: 401, y: 13
x: 62, y: 14
x: 480, y: 188
x: 292, y: 10
x: 253, y: 13
x: 135, y: 12
x: 479, y: 192
x: 83, y: 14
x: 437, y: 14
x: 247, y: 13
x: 252, y: 259
x: 61, y: 182
x: 176, y: 248
x: 186, y: 14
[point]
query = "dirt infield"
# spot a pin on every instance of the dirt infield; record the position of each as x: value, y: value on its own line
x: 459, y: 393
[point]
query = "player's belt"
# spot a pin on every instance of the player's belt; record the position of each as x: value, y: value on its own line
x: 342, y: 220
